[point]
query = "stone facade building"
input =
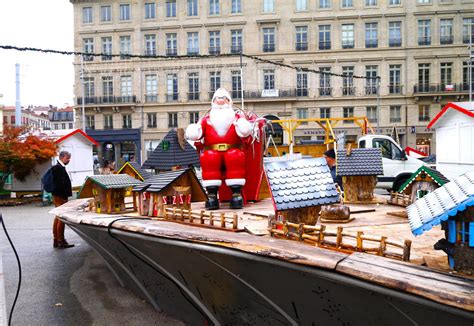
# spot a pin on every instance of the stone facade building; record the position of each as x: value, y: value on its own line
x: 417, y: 47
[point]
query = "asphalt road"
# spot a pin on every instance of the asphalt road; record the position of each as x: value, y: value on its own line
x: 64, y: 287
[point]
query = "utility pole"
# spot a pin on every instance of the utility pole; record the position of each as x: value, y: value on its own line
x: 471, y: 57
x: 17, y: 102
x: 241, y: 81
x: 378, y: 105
x: 83, y: 95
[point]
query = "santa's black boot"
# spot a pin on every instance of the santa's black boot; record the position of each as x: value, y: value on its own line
x: 212, y: 202
x: 237, y: 201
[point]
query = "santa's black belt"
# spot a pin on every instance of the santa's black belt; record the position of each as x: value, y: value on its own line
x: 221, y: 147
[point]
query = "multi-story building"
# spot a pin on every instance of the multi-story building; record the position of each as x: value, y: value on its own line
x: 61, y: 118
x: 29, y: 118
x: 417, y: 47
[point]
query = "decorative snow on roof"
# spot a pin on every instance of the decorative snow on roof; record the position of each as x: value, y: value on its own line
x: 361, y: 161
x: 437, y: 206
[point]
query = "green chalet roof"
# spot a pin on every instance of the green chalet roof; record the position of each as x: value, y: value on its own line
x: 434, y: 174
x: 108, y: 181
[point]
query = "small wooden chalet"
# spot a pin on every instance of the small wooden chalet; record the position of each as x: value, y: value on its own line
x: 359, y: 168
x: 299, y: 188
x: 109, y: 192
x: 169, y: 189
x: 173, y: 152
x: 134, y: 169
x: 452, y: 206
x: 422, y: 182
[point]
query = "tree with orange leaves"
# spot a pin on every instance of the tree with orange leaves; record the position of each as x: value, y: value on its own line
x: 20, y: 152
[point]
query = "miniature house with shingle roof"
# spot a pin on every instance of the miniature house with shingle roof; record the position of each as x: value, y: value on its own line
x: 134, y: 169
x: 169, y: 189
x: 452, y: 206
x: 173, y: 152
x: 109, y: 192
x: 359, y: 168
x: 299, y: 188
x: 422, y: 182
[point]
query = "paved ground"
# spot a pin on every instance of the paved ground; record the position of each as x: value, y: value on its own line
x: 64, y: 287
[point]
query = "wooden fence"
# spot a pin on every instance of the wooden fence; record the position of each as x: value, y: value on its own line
x: 228, y: 222
x: 399, y: 199
x: 318, y: 236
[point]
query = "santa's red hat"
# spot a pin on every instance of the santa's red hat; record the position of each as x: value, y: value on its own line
x: 221, y: 92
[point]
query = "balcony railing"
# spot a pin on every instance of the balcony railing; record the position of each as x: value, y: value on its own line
x: 440, y: 88
x: 301, y: 46
x: 371, y: 43
x: 88, y: 57
x: 172, y: 52
x: 107, y: 99
x: 395, y: 42
x: 325, y: 45
x: 150, y: 53
x: 424, y: 40
x: 269, y: 47
x: 235, y: 94
x: 301, y: 92
x: 325, y: 91
x: 370, y: 90
x: 151, y: 98
x: 424, y: 118
x: 274, y: 93
x: 171, y: 97
x: 446, y: 40
x: 236, y: 49
x: 125, y: 56
x: 348, y: 90
x: 193, y: 51
x: 214, y: 50
x: 395, y: 119
x: 348, y: 44
x: 465, y: 39
x: 395, y: 89
x: 106, y: 57
x: 193, y: 96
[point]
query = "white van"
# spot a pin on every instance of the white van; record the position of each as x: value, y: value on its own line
x: 397, y: 166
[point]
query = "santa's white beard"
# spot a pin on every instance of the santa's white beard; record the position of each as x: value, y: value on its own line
x: 221, y: 117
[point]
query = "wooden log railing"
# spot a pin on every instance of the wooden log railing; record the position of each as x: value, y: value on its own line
x: 400, y: 199
x: 221, y: 220
x: 319, y: 236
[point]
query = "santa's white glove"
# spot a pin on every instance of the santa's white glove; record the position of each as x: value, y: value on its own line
x: 243, y: 127
x: 194, y: 132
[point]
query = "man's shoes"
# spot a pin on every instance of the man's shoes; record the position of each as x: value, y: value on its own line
x: 64, y: 244
x: 55, y: 243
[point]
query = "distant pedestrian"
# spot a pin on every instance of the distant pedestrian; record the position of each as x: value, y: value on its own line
x: 62, y: 191
x: 330, y: 156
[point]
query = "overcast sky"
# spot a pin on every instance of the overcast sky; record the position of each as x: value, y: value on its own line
x: 45, y: 78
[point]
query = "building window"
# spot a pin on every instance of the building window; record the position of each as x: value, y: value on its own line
x: 371, y: 80
x: 107, y: 89
x: 126, y: 88
x: 236, y: 84
x: 424, y: 113
x: 423, y: 1
x: 423, y: 77
x: 214, y: 7
x: 193, y: 86
x: 325, y: 113
x: 89, y: 89
x: 88, y: 47
x: 215, y: 79
x: 465, y: 76
x: 301, y: 83
x: 394, y: 34
x: 71, y: 125
x: 468, y: 30
x: 347, y: 112
x: 172, y: 87
x: 424, y: 32
x: 170, y: 8
x: 371, y: 114
x: 151, y: 120
x: 108, y: 121
x: 394, y: 2
x: 193, y: 43
x: 125, y: 46
x: 87, y: 15
x: 325, y: 81
x: 124, y: 11
x: 150, y: 10
x: 302, y: 114
x: 324, y: 4
x: 324, y: 37
x: 269, y: 39
x: 348, y: 36
x: 236, y: 41
x: 348, y: 80
x: 171, y: 44
x: 446, y: 31
x: 214, y: 42
x: 172, y: 120
x: 236, y: 6
x: 347, y: 3
x: 150, y: 45
x: 105, y: 13
x: 268, y: 79
x: 301, y: 38
x: 268, y: 5
x: 151, y: 88
x: 192, y: 8
x: 370, y: 3
x: 395, y: 113
x: 371, y: 35
x: 107, y: 48
x: 193, y: 117
x: 127, y: 121
x: 90, y: 121
x: 395, y: 79
x: 301, y: 5
x: 446, y: 73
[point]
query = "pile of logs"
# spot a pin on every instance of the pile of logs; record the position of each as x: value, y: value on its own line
x: 399, y: 199
x: 317, y: 235
x: 223, y: 221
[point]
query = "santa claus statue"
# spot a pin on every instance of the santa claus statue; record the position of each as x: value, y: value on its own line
x: 220, y: 134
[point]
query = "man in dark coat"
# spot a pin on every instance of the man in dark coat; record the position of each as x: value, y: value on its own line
x: 330, y: 156
x: 62, y: 190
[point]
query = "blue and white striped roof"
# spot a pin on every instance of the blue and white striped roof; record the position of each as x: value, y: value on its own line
x: 438, y: 205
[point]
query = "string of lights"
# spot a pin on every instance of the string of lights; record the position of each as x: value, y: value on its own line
x: 181, y: 57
